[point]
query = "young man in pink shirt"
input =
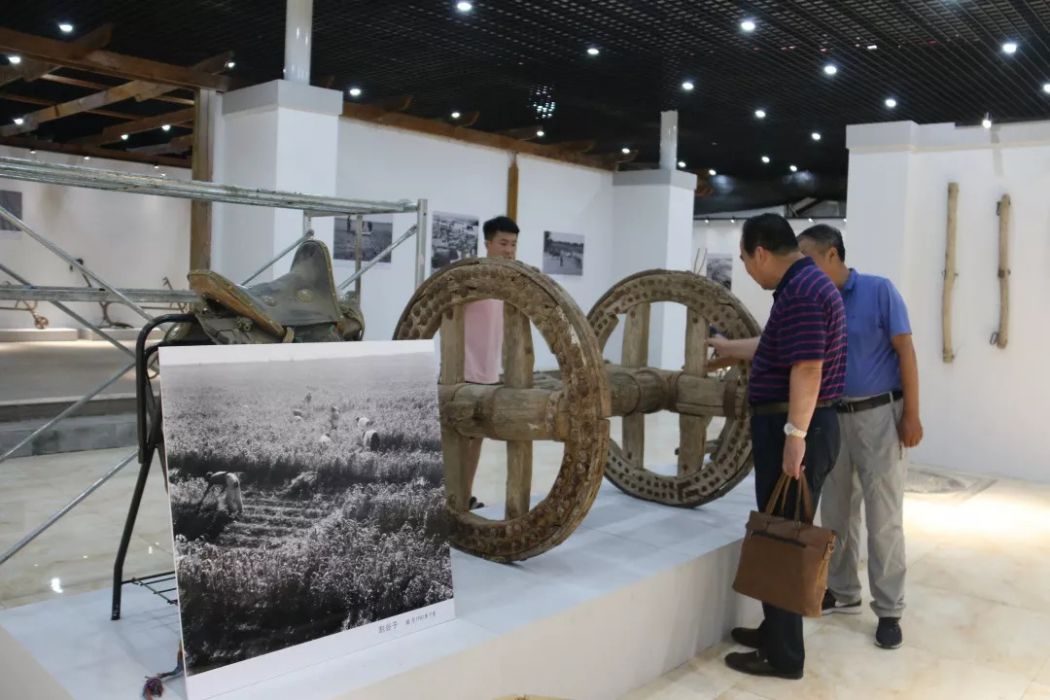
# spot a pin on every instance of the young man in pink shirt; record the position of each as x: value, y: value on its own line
x: 483, y: 327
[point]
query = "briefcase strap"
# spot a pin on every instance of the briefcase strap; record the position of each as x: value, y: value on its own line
x: 803, y: 499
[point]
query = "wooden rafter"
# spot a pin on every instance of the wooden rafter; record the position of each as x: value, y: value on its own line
x: 179, y: 144
x: 524, y: 133
x: 582, y: 146
x: 112, y: 134
x: 215, y: 64
x: 91, y: 85
x: 394, y: 103
x: 79, y: 150
x: 433, y: 127
x: 31, y: 69
x: 26, y: 99
x: 106, y: 62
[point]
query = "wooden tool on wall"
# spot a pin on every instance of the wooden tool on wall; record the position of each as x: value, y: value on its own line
x: 949, y: 273
x: 1002, y: 336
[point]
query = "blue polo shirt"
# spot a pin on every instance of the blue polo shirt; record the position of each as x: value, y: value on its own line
x: 875, y: 313
x: 807, y: 322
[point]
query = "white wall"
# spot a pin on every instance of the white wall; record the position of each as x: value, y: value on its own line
x: 130, y: 240
x: 984, y: 413
x: 378, y: 162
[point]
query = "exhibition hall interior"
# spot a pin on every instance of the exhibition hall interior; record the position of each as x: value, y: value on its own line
x: 518, y: 349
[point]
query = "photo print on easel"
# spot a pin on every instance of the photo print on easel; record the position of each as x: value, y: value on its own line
x: 562, y: 253
x: 377, y: 232
x: 720, y: 269
x: 453, y: 237
x: 307, y: 499
x: 11, y: 201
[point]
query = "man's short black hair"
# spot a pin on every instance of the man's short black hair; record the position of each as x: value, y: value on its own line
x: 826, y: 237
x: 503, y: 224
x: 770, y: 231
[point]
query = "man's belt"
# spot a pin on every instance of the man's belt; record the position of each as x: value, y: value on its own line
x: 772, y: 409
x: 868, y: 404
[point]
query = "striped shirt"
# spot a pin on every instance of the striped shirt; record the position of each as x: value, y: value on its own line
x: 807, y: 322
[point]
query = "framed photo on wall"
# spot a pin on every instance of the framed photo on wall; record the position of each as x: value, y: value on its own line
x: 562, y: 253
x: 376, y: 235
x: 453, y: 237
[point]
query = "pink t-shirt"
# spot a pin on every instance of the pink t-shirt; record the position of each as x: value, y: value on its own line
x: 483, y: 341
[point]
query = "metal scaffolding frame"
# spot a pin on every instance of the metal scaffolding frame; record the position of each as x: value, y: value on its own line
x: 77, y: 176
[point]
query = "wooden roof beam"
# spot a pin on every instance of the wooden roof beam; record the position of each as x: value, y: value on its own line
x: 582, y: 146
x: 112, y: 134
x: 73, y: 149
x: 31, y: 69
x: 91, y: 85
x: 30, y: 122
x: 215, y: 64
x: 26, y: 99
x: 106, y: 62
x: 394, y: 103
x: 179, y: 144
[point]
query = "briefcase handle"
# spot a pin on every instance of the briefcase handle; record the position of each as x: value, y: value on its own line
x: 803, y: 499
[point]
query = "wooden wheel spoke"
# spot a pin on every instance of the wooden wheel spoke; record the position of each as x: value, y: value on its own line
x: 518, y: 362
x: 454, y: 447
x: 635, y: 354
x: 693, y: 429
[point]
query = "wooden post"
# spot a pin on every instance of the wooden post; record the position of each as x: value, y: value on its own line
x: 359, y: 226
x: 512, y: 188
x: 635, y: 354
x: 453, y: 445
x: 1002, y: 336
x: 517, y: 373
x: 200, y: 211
x: 949, y: 273
x: 693, y: 429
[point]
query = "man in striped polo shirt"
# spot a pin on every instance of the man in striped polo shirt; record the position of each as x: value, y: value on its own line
x: 797, y: 375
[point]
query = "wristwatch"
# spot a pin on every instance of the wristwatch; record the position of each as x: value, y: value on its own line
x: 792, y: 431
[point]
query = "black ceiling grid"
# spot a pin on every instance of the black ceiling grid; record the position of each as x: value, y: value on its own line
x: 524, y: 62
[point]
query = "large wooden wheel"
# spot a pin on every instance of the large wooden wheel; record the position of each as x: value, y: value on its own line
x: 515, y: 411
x: 706, y: 470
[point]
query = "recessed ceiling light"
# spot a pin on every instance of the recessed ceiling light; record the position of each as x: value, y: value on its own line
x: 163, y: 174
x: 890, y: 102
x: 455, y: 115
x: 166, y: 127
x: 19, y: 121
x: 811, y: 219
x: 32, y: 151
x: 831, y: 69
x: 732, y: 220
x: 354, y: 91
x: 1046, y: 88
x: 815, y: 136
x: 14, y: 59
x: 872, y: 47
x: 625, y: 150
x: 986, y: 122
x: 65, y: 27
x: 540, y: 133
x: 688, y: 85
x: 593, y: 51
x: 707, y: 221
x: 231, y: 64
x: 1010, y: 48
x: 156, y: 167
x: 765, y: 159
x: 87, y: 157
x: 712, y: 172
x: 681, y: 164
x: 843, y: 220
x: 124, y: 137
x: 464, y: 6
x: 748, y: 25
x: 793, y: 168
x: 760, y: 113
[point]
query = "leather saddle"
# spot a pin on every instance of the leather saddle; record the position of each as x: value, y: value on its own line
x: 301, y: 306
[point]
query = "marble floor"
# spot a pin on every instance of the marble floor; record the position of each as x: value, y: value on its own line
x: 977, y: 626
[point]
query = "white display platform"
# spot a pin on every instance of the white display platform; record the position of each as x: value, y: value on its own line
x: 31, y: 335
x: 636, y: 591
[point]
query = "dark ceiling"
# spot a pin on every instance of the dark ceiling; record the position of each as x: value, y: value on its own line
x: 942, y: 60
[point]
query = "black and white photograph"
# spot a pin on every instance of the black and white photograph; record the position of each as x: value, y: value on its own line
x: 720, y: 269
x: 562, y: 253
x: 454, y: 237
x: 377, y: 232
x: 307, y: 492
x: 11, y: 201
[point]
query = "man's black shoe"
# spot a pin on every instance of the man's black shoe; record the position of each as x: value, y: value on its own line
x: 754, y: 664
x: 747, y: 637
x: 830, y: 605
x: 888, y: 635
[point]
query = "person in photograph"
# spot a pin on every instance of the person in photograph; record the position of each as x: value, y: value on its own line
x: 878, y: 419
x: 483, y: 333
x: 797, y: 376
x: 230, y: 485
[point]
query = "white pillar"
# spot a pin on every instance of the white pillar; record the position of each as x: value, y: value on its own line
x: 298, y: 37
x: 669, y: 140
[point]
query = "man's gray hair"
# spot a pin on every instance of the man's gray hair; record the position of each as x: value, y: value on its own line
x: 826, y: 237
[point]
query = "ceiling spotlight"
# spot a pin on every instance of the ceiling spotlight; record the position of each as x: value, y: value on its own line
x: 464, y: 6
x: 19, y: 121
x: 14, y: 59
x: 872, y: 47
x: 844, y: 221
x: 166, y: 127
x: 681, y: 164
x: 625, y: 150
x: 455, y: 115
x: 354, y: 91
x: 593, y: 51
x: 986, y: 122
x: 688, y: 85
x: 231, y: 64
x: 732, y: 220
x: 765, y: 159
x: 540, y: 133
x: 707, y: 221
x: 748, y: 25
x: 124, y: 137
x: 811, y: 219
x: 163, y: 174
x: 1010, y: 48
x: 831, y: 69
x: 32, y: 151
x: 156, y: 167
x: 66, y: 27
x: 793, y: 168
x: 815, y: 136
x: 712, y: 172
x: 87, y: 157
x: 1046, y: 88
x: 890, y: 102
x: 760, y: 113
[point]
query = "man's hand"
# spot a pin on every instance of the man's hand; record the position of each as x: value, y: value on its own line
x: 910, y: 430
x: 743, y: 349
x: 721, y: 345
x: 794, y: 452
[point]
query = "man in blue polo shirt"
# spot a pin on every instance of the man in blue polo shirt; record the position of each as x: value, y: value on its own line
x: 878, y: 419
x: 797, y: 373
